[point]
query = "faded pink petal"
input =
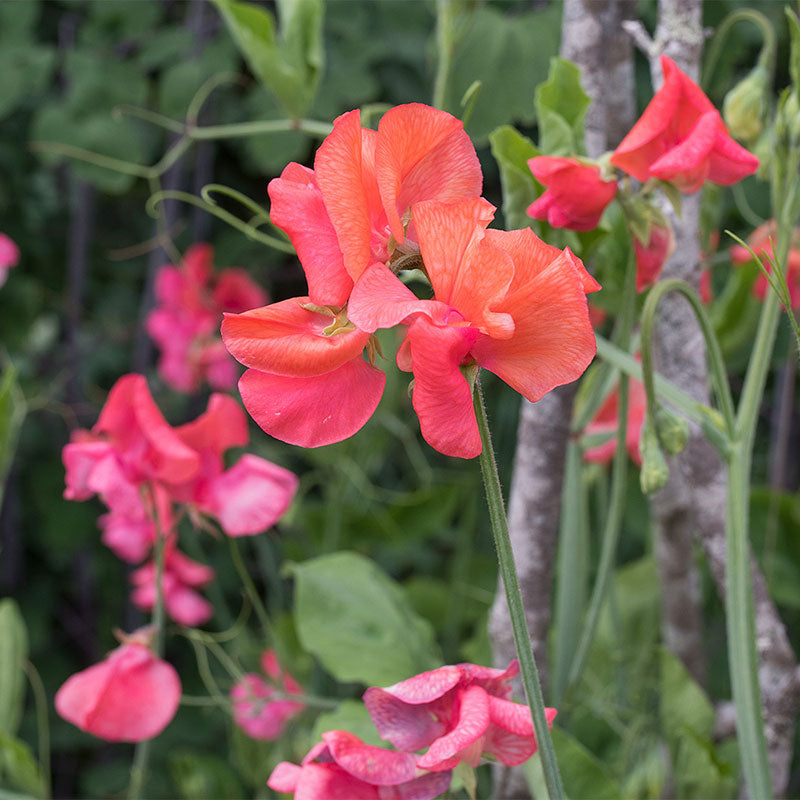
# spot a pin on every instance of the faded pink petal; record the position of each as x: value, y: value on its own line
x: 370, y: 764
x: 256, y: 713
x: 407, y: 726
x: 129, y: 697
x: 129, y: 538
x: 80, y: 459
x: 9, y: 252
x: 315, y: 411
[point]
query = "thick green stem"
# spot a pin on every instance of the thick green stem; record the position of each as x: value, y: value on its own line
x: 445, y: 21
x: 508, y: 572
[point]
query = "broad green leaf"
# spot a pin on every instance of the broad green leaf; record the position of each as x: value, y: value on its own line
x: 17, y: 21
x: 358, y: 622
x: 18, y: 768
x: 12, y: 415
x: 351, y: 716
x: 561, y: 107
x: 13, y: 653
x: 508, y: 53
x: 512, y: 151
x: 25, y: 70
x: 289, y: 63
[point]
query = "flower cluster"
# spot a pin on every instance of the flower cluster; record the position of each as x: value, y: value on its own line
x: 185, y: 323
x: 405, y: 200
x: 141, y: 467
x: 460, y: 713
x: 680, y: 138
x: 9, y: 256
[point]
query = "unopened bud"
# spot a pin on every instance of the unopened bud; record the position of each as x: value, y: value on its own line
x: 673, y: 430
x: 654, y: 473
x: 787, y: 120
x: 745, y: 105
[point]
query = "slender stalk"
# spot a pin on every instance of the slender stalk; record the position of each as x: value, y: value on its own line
x: 445, y: 19
x: 250, y: 589
x: 42, y: 722
x: 240, y: 129
x: 522, y: 639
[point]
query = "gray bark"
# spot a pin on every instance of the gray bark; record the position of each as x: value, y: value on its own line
x: 591, y: 38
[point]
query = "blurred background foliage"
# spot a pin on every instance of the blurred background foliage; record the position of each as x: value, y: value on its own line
x: 70, y: 319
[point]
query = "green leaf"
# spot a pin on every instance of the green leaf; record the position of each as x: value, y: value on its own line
x: 358, y: 622
x: 561, y: 107
x: 351, y: 716
x: 25, y: 70
x: 17, y: 21
x: 290, y: 65
x: 794, y: 53
x: 13, y: 653
x: 12, y: 415
x: 512, y: 151
x: 18, y: 768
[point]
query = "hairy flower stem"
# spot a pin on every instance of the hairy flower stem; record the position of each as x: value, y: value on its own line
x: 141, y: 756
x: 508, y: 572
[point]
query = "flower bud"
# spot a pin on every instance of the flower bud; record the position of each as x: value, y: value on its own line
x: 745, y: 105
x: 655, y: 472
x: 673, y: 430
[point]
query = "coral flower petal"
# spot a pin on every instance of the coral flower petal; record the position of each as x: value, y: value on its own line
x: 368, y: 763
x: 314, y: 411
x: 465, y: 272
x: 423, y: 154
x: 130, y: 696
x: 286, y: 339
x: 298, y: 209
x: 251, y: 496
x: 222, y: 425
x: 472, y: 723
x: 442, y: 397
x: 687, y: 163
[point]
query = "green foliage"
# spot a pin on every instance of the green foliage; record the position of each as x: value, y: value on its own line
x: 290, y: 62
x: 12, y: 415
x: 352, y: 716
x: 13, y: 654
x: 199, y: 776
x: 512, y: 151
x: 18, y: 768
x: 358, y: 622
x: 561, y: 107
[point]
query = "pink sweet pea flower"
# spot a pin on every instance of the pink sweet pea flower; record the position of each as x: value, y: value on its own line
x: 762, y: 240
x: 605, y: 421
x: 504, y: 300
x: 681, y: 138
x: 459, y: 712
x: 576, y: 195
x: 181, y: 577
x: 255, y: 708
x: 342, y: 767
x: 651, y: 257
x: 249, y: 497
x: 185, y: 322
x: 129, y: 697
x: 9, y: 256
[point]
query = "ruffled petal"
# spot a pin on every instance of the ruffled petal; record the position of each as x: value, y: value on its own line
x: 368, y: 763
x: 423, y: 154
x: 442, y: 397
x: 251, y: 496
x: 299, y: 210
x: 687, y: 163
x: 331, y: 782
x: 221, y: 426
x: 729, y: 161
x: 407, y: 726
x: 287, y: 339
x: 284, y: 777
x: 311, y: 412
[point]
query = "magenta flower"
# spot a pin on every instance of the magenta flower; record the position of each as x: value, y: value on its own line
x: 256, y: 709
x: 9, y: 256
x: 185, y: 322
x: 342, y: 767
x: 459, y: 713
x: 131, y: 696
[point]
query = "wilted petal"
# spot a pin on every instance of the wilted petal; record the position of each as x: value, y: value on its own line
x: 426, y: 787
x: 408, y: 727
x: 315, y: 411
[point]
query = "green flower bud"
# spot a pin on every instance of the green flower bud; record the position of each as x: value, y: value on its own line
x: 673, y: 430
x: 745, y: 106
x: 654, y: 473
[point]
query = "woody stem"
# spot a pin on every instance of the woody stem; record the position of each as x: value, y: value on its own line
x: 508, y: 572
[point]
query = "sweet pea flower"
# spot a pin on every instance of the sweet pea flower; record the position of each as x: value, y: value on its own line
x: 342, y: 767
x: 9, y: 256
x: 651, y: 257
x: 184, y: 324
x: 575, y: 195
x: 605, y: 422
x: 459, y: 713
x: 761, y: 241
x: 681, y: 138
x: 504, y: 300
x: 256, y: 710
x: 307, y: 382
x: 180, y: 578
x: 130, y: 696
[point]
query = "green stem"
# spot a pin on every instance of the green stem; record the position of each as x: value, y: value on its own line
x: 240, y: 129
x: 445, y: 20
x: 42, y: 722
x: 250, y: 589
x: 141, y: 755
x: 508, y: 572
